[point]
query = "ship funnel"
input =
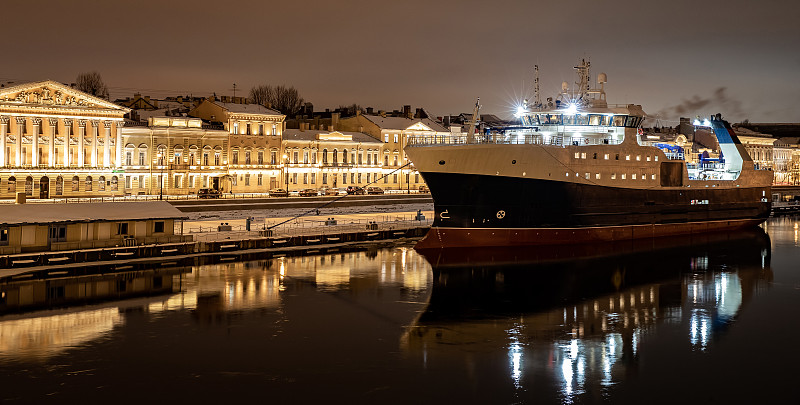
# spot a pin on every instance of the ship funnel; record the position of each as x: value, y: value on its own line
x: 602, y: 78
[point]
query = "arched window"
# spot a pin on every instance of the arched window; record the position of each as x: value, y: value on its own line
x: 12, y: 184
x: 335, y: 157
x: 101, y: 183
x: 177, y: 151
x: 344, y: 157
x: 88, y: 183
x: 324, y: 156
x: 192, y: 155
x: 76, y: 183
x: 114, y: 183
x: 235, y: 156
x: 59, y: 185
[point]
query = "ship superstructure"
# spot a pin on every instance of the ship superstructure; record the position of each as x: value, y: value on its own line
x: 577, y: 169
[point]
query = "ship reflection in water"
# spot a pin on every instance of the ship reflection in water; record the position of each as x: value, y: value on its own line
x: 581, y: 314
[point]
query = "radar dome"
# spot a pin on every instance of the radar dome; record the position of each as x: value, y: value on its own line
x: 564, y: 87
x: 602, y: 78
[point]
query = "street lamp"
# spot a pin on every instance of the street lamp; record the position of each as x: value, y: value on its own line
x: 286, y: 170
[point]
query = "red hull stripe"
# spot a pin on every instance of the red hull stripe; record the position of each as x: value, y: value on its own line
x: 439, y: 237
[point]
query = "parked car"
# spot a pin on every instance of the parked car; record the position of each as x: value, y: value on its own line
x: 308, y: 192
x: 424, y: 189
x: 374, y: 190
x: 328, y: 191
x: 208, y: 193
x: 278, y: 192
x: 355, y: 190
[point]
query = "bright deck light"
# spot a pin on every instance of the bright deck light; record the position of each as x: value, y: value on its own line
x: 520, y: 111
x: 572, y: 109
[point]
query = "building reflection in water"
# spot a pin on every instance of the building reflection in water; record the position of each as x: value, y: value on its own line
x: 40, y: 318
x: 580, y: 315
x: 43, y: 318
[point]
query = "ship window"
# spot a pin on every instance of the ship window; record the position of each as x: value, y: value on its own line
x: 652, y: 177
x: 648, y: 158
x: 597, y: 176
x: 613, y: 176
x: 594, y: 119
x: 644, y: 176
x: 633, y: 176
x: 617, y: 158
x: 583, y: 155
x: 638, y: 158
x: 595, y: 156
x: 567, y: 174
x: 587, y: 176
x: 581, y: 119
x: 627, y: 157
x: 632, y: 122
x: 655, y: 158
x: 619, y: 121
x: 623, y: 176
x: 577, y: 155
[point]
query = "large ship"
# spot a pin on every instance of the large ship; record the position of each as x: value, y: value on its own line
x: 577, y: 169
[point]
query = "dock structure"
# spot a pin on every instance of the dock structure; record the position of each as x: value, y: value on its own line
x: 308, y: 236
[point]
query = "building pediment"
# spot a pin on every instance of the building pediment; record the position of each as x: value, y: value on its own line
x: 52, y: 93
x: 419, y: 126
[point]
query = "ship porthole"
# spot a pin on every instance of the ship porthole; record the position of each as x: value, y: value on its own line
x: 513, y: 162
x: 441, y: 162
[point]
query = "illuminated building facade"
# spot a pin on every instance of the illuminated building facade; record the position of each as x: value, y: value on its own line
x: 56, y: 141
x: 394, y: 133
x: 174, y: 155
x: 315, y: 158
x: 254, y: 143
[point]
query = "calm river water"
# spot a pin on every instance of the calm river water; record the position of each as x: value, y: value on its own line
x: 704, y: 320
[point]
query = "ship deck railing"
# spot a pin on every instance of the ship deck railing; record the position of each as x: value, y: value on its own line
x: 513, y: 139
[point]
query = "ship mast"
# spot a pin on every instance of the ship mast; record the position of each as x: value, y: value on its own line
x: 536, y: 99
x: 474, y: 122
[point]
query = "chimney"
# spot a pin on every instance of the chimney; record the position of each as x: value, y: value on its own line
x: 407, y: 111
x: 330, y: 128
x: 335, y: 120
x: 382, y: 113
x: 370, y: 111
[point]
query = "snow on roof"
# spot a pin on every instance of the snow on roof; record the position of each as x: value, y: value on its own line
x: 311, y: 135
x: 246, y: 108
x: 402, y: 123
x: 20, y: 214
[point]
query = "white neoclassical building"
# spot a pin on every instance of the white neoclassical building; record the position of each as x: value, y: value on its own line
x: 56, y: 141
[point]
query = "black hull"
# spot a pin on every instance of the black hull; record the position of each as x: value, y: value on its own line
x: 483, y: 207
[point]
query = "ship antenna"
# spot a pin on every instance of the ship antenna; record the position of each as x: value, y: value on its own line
x: 474, y: 122
x: 537, y: 100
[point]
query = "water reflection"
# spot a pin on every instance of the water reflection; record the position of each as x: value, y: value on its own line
x: 40, y: 319
x: 579, y: 318
x: 43, y: 320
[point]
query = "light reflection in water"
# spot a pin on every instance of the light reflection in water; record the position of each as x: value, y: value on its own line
x: 592, y: 342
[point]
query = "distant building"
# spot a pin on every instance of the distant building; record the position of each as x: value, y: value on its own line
x: 254, y: 143
x: 174, y: 155
x: 317, y: 158
x: 394, y: 132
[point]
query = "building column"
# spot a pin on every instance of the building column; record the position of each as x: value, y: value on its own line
x: 107, y: 144
x: 51, y: 143
x: 37, y: 125
x: 81, y: 134
x: 20, y: 134
x: 67, y: 136
x: 118, y: 161
x: 95, y: 124
x: 4, y: 119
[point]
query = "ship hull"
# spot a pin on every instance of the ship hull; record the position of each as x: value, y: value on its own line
x: 485, y: 210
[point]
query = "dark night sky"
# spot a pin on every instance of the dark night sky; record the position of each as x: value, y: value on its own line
x: 737, y: 57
